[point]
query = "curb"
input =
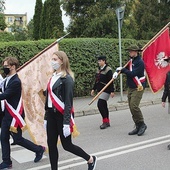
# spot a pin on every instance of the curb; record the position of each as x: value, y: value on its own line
x: 115, y: 107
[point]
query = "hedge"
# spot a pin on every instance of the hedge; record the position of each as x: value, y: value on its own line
x: 82, y: 53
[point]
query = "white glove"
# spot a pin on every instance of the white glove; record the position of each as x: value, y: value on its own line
x: 115, y: 74
x: 45, y: 124
x: 66, y: 130
x: 119, y: 69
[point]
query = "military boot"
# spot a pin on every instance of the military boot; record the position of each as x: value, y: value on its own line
x: 142, y: 128
x: 135, y: 131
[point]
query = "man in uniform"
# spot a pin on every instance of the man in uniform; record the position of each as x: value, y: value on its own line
x: 13, y: 120
x: 136, y: 84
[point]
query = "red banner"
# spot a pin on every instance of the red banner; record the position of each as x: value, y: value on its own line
x: 153, y: 54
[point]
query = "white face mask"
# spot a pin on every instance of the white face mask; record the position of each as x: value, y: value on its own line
x: 55, y: 65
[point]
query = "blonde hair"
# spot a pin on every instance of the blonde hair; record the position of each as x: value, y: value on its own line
x: 65, y: 67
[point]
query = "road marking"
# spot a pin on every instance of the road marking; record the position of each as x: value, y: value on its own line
x: 16, y: 155
x: 145, y: 144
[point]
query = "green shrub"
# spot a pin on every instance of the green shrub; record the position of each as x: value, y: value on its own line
x: 6, y: 37
x: 82, y: 53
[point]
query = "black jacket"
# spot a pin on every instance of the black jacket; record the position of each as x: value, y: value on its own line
x: 12, y: 93
x: 137, y: 70
x: 166, y: 92
x: 102, y: 77
x: 63, y: 89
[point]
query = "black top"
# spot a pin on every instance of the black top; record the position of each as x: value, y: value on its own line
x: 166, y: 92
x: 102, y: 77
x: 137, y: 70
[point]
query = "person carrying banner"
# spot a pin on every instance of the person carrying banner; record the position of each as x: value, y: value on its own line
x: 1, y: 104
x: 59, y: 112
x: 102, y: 77
x: 13, y: 121
x: 136, y: 84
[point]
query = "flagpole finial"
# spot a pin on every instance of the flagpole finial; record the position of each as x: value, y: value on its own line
x: 58, y: 40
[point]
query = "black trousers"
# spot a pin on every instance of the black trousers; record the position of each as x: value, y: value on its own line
x: 19, y: 140
x: 103, y: 109
x: 54, y: 130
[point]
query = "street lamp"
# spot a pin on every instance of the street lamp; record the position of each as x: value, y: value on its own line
x: 120, y: 15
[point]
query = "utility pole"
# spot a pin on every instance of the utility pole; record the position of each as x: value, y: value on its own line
x: 120, y: 15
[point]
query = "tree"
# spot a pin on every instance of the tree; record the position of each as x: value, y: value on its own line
x: 96, y: 18
x: 54, y: 23
x: 2, y: 6
x: 92, y: 19
x: 37, y: 18
x: 30, y: 28
x: 44, y: 21
x: 2, y: 22
x: 150, y: 22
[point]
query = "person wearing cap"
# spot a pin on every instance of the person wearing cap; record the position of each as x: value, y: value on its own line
x: 103, y: 76
x: 136, y: 84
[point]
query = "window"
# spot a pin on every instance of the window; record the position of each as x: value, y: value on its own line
x: 9, y: 29
x: 10, y: 19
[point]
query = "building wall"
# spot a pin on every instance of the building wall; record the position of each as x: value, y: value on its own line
x: 19, y: 20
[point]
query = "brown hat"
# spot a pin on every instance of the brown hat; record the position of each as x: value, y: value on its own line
x: 133, y: 48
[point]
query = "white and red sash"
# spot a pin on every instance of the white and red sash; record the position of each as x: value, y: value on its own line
x: 2, y: 101
x: 16, y: 114
x: 59, y: 105
x: 138, y: 81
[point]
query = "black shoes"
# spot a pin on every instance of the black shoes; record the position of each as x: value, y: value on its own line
x: 142, y: 129
x: 13, y: 143
x: 134, y: 132
x: 139, y: 130
x: 92, y: 166
x: 39, y: 155
x: 105, y: 125
x: 168, y: 147
x: 3, y: 165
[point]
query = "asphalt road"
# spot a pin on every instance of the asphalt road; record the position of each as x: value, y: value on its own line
x: 115, y: 149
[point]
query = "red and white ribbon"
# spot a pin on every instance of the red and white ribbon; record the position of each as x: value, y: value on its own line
x: 138, y: 81
x: 59, y: 105
x: 16, y: 114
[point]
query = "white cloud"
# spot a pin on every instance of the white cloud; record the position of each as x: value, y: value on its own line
x: 26, y: 6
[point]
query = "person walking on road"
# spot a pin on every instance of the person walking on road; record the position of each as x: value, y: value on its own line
x: 136, y: 82
x: 59, y: 112
x: 13, y: 121
x: 103, y: 76
x: 166, y: 92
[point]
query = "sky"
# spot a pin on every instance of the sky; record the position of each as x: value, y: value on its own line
x: 26, y: 6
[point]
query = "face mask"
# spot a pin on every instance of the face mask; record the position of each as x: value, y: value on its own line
x: 6, y: 70
x: 55, y: 65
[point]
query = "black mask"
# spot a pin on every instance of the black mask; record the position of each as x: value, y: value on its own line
x: 6, y: 70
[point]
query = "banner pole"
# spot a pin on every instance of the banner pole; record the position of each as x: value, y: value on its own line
x: 106, y: 86
x: 37, y: 55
